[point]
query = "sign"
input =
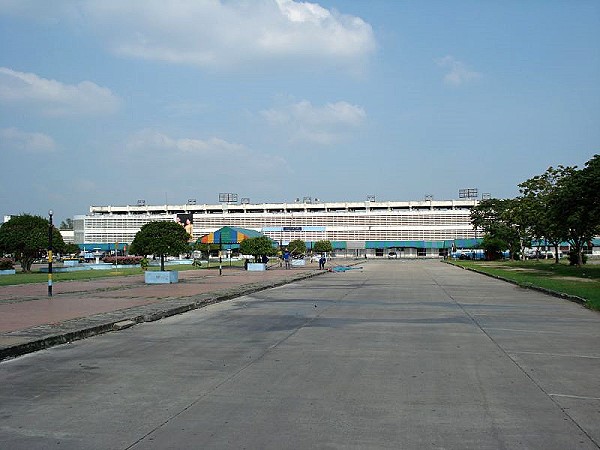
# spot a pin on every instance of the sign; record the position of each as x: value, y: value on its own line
x: 468, y: 193
x: 228, y: 197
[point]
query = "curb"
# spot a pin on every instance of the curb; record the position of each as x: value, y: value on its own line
x: 45, y: 336
x: 572, y: 298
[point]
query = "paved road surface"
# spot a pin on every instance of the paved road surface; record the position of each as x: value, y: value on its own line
x: 400, y: 355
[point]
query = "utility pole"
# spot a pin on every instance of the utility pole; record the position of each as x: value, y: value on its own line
x: 50, y: 254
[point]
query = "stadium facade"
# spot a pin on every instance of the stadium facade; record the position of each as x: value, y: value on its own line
x: 427, y: 228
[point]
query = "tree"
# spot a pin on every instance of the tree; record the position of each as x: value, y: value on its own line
x: 591, y: 189
x: 257, y: 246
x: 71, y: 249
x: 160, y: 238
x: 323, y: 247
x: 66, y: 224
x: 574, y: 205
x: 495, y: 217
x: 26, y: 237
x: 206, y: 248
x: 297, y: 247
x: 536, y: 197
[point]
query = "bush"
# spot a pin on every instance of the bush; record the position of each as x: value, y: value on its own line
x: 125, y: 260
x: 6, y: 264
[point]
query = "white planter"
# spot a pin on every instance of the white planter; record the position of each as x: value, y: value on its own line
x: 158, y: 277
x: 8, y: 272
x: 257, y: 267
x: 298, y: 262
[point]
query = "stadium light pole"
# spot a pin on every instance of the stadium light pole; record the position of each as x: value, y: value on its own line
x: 50, y: 254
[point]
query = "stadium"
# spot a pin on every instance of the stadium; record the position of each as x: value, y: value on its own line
x: 403, y: 229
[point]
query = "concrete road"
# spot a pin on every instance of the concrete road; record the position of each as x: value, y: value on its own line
x: 400, y: 355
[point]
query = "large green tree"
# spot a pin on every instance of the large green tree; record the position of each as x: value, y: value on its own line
x: 297, y: 247
x: 26, y: 237
x: 574, y: 205
x: 496, y: 218
x: 162, y: 239
x: 536, y: 200
x: 258, y: 246
x: 323, y: 247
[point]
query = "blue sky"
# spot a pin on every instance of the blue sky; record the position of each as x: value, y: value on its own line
x: 109, y: 101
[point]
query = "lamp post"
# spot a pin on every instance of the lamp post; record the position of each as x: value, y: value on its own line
x: 50, y: 254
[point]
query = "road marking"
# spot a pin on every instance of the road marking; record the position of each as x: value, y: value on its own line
x: 555, y: 354
x: 574, y: 396
x: 532, y: 331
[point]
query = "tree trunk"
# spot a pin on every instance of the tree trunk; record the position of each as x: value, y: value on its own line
x: 162, y: 263
x: 26, y: 263
x: 556, y: 259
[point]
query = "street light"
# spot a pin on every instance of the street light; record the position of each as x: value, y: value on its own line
x: 50, y: 254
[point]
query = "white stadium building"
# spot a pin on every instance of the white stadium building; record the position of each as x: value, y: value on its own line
x: 428, y: 228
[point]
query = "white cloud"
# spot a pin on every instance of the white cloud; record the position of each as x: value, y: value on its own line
x: 217, y: 33
x: 318, y: 124
x: 53, y: 98
x: 458, y: 73
x: 213, y: 147
x: 15, y: 139
x: 214, y: 155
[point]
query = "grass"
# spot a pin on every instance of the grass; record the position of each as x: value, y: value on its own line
x: 582, y: 281
x: 82, y: 275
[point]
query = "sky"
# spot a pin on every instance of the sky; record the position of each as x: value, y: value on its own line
x: 107, y: 102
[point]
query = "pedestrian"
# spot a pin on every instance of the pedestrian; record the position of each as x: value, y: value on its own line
x: 322, y: 261
x: 286, y: 258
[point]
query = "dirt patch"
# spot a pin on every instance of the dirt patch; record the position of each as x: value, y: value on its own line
x: 584, y: 280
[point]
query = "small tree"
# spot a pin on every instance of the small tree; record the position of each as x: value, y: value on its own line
x: 71, y: 249
x: 206, y: 248
x: 160, y: 238
x: 323, y: 247
x: 66, y: 224
x: 26, y: 237
x: 297, y: 247
x: 257, y: 246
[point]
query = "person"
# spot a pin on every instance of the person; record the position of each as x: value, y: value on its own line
x: 246, y: 264
x: 265, y: 260
x: 286, y: 258
x: 322, y: 262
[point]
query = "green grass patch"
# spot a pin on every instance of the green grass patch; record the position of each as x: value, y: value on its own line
x: 582, y: 281
x: 82, y: 275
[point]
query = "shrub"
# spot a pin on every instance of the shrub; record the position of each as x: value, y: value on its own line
x: 6, y: 264
x: 125, y: 260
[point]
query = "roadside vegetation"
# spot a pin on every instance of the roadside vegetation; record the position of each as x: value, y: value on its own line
x: 581, y: 281
x: 560, y: 205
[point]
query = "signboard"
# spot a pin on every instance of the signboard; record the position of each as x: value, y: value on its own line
x: 228, y: 197
x: 468, y: 193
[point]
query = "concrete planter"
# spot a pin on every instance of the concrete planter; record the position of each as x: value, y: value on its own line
x: 257, y: 267
x: 158, y: 277
x: 298, y: 262
x: 8, y: 272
